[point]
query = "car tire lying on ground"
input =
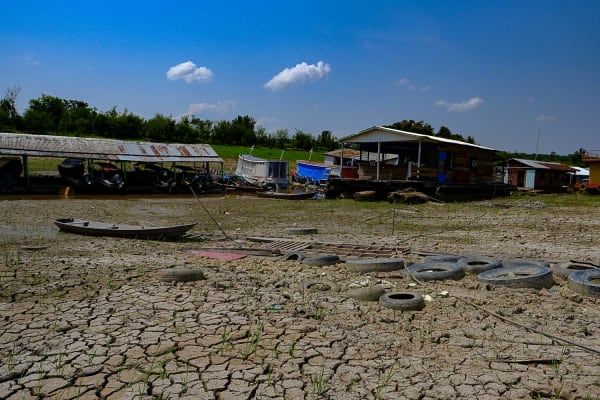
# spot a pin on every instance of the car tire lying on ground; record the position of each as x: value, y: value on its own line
x: 294, y: 255
x: 322, y: 260
x: 319, y: 284
x: 511, y: 262
x: 476, y: 265
x: 564, y: 269
x: 181, y: 275
x: 368, y: 293
x: 586, y: 282
x: 442, y: 258
x: 519, y: 276
x: 402, y: 301
x: 434, y: 271
x: 369, y: 264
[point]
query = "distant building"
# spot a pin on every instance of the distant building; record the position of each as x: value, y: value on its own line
x: 538, y: 175
x: 592, y: 159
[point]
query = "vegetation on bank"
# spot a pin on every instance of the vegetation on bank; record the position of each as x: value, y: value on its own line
x: 55, y: 116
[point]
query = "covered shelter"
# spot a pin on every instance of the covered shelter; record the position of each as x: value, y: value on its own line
x: 421, y: 157
x: 29, y: 145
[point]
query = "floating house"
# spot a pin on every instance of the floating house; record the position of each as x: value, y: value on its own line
x: 550, y: 177
x: 391, y: 159
x: 260, y: 172
x: 592, y: 159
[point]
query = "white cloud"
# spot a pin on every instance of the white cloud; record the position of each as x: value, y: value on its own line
x: 218, y: 108
x: 402, y: 82
x: 466, y: 105
x: 543, y: 117
x: 189, y: 72
x: 300, y: 73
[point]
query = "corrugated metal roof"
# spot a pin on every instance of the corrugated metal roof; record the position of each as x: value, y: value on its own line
x: 105, y: 149
x: 543, y: 165
x: 382, y: 134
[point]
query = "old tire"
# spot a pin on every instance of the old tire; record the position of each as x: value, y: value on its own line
x: 402, y: 301
x: 476, y: 265
x: 294, y: 255
x: 564, y: 269
x: 514, y: 262
x: 319, y: 284
x: 442, y: 258
x: 322, y: 260
x: 369, y: 293
x: 302, y: 231
x: 435, y: 271
x: 586, y: 282
x: 369, y: 264
x: 519, y: 276
x: 181, y: 275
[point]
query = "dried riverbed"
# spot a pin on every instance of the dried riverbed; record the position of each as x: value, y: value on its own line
x: 90, y: 318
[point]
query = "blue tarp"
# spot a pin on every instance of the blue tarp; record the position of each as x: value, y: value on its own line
x: 313, y: 171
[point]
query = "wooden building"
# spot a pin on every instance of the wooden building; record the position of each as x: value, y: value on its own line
x: 429, y: 163
x: 549, y: 177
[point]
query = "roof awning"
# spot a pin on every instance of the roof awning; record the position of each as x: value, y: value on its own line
x: 104, y: 149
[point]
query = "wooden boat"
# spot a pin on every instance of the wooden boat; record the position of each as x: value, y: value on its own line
x: 287, y: 196
x: 93, y: 228
x: 260, y: 172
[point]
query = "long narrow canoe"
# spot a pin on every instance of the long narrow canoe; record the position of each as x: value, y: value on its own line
x: 286, y: 196
x: 94, y: 228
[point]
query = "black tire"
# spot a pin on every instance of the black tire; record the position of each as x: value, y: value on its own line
x: 564, y: 269
x: 369, y: 293
x: 322, y: 260
x: 294, y: 255
x: 477, y: 265
x: 442, y: 258
x: 181, y: 275
x: 517, y: 262
x: 302, y: 231
x: 586, y: 282
x: 435, y: 271
x: 519, y: 276
x: 319, y: 284
x: 402, y: 301
x: 369, y: 264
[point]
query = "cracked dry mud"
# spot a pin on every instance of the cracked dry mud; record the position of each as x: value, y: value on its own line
x: 88, y: 317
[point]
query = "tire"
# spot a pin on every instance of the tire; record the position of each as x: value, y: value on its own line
x: 181, y: 275
x: 368, y: 264
x: 402, y: 301
x: 519, y: 276
x: 302, y: 231
x: 319, y: 284
x: 435, y: 271
x: 322, y: 260
x: 514, y: 262
x: 586, y: 282
x: 564, y: 269
x: 369, y: 293
x: 442, y: 258
x: 476, y: 265
x: 294, y: 255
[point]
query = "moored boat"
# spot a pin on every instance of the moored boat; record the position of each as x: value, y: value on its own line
x: 260, y: 172
x: 95, y: 228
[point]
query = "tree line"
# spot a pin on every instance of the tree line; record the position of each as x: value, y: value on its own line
x: 51, y: 115
x: 55, y: 116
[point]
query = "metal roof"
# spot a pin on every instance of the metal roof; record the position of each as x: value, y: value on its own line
x: 103, y: 149
x: 382, y: 134
x: 543, y: 165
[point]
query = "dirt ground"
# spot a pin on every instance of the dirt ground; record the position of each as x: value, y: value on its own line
x: 91, y: 317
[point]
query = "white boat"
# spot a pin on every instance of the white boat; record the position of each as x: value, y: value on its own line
x: 260, y: 172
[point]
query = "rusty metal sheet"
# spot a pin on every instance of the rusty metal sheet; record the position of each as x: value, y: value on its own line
x: 107, y: 149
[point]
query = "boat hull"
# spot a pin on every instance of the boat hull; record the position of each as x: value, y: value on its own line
x: 94, y: 228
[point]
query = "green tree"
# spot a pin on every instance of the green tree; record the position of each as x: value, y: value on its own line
x: 44, y: 114
x: 160, y: 128
x: 327, y: 140
x: 9, y: 117
x: 303, y: 140
x: 281, y: 138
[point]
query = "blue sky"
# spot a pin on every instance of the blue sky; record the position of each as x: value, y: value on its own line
x: 500, y: 71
